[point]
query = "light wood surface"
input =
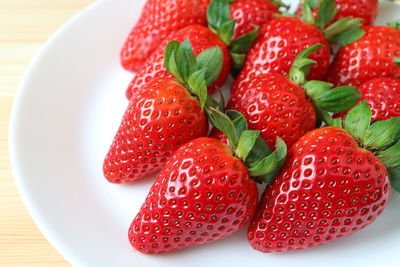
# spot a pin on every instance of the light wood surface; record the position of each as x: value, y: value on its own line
x: 24, y: 26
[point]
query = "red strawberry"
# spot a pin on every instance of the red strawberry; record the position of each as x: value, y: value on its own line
x: 161, y: 118
x: 157, y: 21
x: 382, y: 96
x: 369, y: 57
x: 329, y: 187
x: 285, y: 37
x: 201, y: 39
x: 251, y: 12
x: 164, y: 115
x: 277, y: 106
x: 234, y: 38
x: 367, y: 10
x: 204, y: 192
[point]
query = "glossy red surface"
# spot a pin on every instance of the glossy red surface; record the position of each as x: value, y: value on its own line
x: 382, y: 96
x: 328, y: 188
x: 201, y: 38
x: 367, y: 10
x: 274, y: 52
x: 369, y: 57
x: 157, y: 122
x: 158, y: 19
x: 202, y: 194
x: 251, y: 12
x: 274, y: 106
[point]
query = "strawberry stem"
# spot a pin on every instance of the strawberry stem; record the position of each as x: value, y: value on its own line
x: 248, y: 146
x: 218, y: 15
x: 195, y: 74
x: 341, y: 32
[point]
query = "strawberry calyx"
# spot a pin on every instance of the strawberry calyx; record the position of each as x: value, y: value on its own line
x: 321, y: 95
x: 195, y: 74
x: 381, y: 137
x: 302, y: 64
x: 262, y: 163
x: 397, y: 60
x: 341, y: 32
x: 218, y: 15
x: 280, y: 4
x: 394, y: 24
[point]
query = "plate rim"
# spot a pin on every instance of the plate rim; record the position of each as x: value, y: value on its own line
x: 23, y: 191
x: 26, y: 195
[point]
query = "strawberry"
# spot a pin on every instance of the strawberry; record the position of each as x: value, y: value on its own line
x: 252, y: 12
x: 369, y: 57
x: 285, y: 37
x: 201, y: 39
x: 382, y: 96
x: 222, y: 32
x: 367, y: 10
x: 158, y: 19
x: 204, y: 192
x: 166, y: 114
x: 277, y: 105
x: 330, y: 186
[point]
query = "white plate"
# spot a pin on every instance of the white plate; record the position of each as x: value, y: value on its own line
x: 65, y: 115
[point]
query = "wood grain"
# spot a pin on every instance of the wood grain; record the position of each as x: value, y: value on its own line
x: 24, y: 26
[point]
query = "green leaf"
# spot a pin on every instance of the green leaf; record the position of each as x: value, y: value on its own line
x: 224, y: 123
x: 212, y: 103
x: 246, y: 142
x: 265, y: 166
x: 326, y: 12
x: 218, y: 13
x: 315, y: 89
x: 225, y: 32
x: 307, y: 13
x: 394, y: 24
x: 302, y: 64
x: 397, y: 60
x: 357, y: 120
x: 186, y: 60
x: 340, y: 26
x: 286, y: 14
x: 391, y: 156
x: 238, y: 121
x: 173, y: 68
x: 211, y: 59
x: 203, y: 94
x: 313, y: 4
x: 260, y: 151
x: 266, y: 178
x: 243, y: 43
x: 280, y: 4
x: 268, y: 164
x: 221, y: 103
x: 171, y: 47
x: 195, y: 81
x: 347, y: 37
x: 338, y: 99
x: 336, y: 123
x: 394, y: 175
x: 299, y: 72
x: 237, y: 60
x: 281, y: 150
x: 381, y: 134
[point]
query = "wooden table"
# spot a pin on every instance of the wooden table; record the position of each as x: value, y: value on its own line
x: 24, y: 26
